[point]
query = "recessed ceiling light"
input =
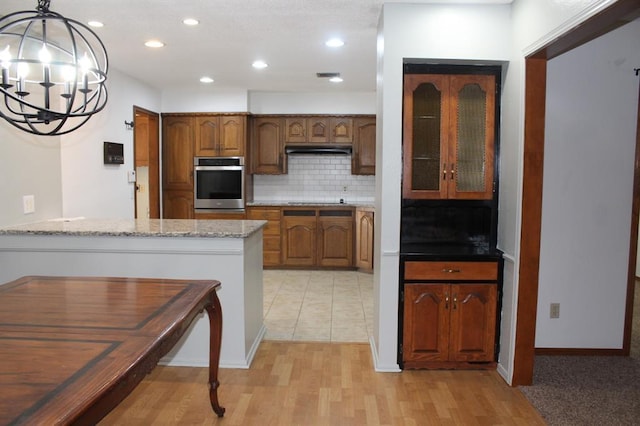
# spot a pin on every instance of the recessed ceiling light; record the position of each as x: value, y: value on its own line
x: 259, y: 64
x: 190, y: 21
x: 336, y: 79
x: 206, y: 80
x: 154, y: 43
x: 334, y: 42
x: 95, y: 24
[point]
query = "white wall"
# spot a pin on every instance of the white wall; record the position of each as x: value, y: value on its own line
x: 444, y: 34
x: 29, y: 165
x: 89, y: 187
x: 208, y: 98
x: 590, y: 138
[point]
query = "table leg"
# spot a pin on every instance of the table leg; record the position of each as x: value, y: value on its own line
x: 214, y: 310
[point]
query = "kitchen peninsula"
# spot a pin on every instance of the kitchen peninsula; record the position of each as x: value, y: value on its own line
x: 227, y: 251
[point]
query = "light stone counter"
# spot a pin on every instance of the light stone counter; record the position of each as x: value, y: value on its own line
x: 139, y: 228
x: 229, y: 251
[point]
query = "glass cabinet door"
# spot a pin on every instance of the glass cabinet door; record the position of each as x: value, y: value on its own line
x: 472, y: 136
x: 425, y: 147
x: 448, y: 136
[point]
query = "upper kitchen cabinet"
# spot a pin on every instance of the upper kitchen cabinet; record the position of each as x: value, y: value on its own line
x: 363, y: 158
x: 449, y: 136
x: 318, y: 129
x: 220, y: 135
x: 267, y: 154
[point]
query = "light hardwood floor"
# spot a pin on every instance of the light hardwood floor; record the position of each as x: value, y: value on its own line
x: 299, y: 383
x: 305, y: 372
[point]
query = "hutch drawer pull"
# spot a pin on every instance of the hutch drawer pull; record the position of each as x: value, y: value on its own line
x: 451, y: 271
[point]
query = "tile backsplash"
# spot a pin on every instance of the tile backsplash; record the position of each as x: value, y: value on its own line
x: 322, y: 178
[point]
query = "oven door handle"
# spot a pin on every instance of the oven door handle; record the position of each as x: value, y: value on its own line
x: 218, y: 168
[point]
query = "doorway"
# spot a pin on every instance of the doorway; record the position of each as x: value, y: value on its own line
x: 146, y: 148
x: 535, y: 99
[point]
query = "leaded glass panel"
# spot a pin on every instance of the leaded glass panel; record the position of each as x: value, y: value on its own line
x: 471, y: 132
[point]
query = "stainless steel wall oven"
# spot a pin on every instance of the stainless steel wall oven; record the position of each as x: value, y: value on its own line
x: 219, y: 183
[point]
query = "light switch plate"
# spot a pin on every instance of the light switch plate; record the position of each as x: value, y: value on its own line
x: 28, y: 204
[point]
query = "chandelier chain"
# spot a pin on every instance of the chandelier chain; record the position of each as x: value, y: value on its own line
x: 43, y: 5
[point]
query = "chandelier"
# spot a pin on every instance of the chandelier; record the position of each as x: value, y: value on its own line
x: 53, y: 71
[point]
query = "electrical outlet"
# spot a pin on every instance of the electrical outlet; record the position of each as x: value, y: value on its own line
x: 28, y: 204
x: 554, y: 310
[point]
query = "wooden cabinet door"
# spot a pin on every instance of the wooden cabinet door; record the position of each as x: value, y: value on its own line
x: 232, y: 135
x: 426, y: 323
x: 364, y: 240
x: 299, y: 237
x: 317, y: 130
x: 295, y: 130
x: 341, y: 130
x: 335, y: 238
x: 472, y: 136
x: 267, y: 155
x: 207, y: 136
x: 177, y: 205
x: 363, y: 158
x: 473, y: 322
x: 177, y: 153
x: 425, y: 136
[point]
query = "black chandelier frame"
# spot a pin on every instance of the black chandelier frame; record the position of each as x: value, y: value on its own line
x: 72, y: 87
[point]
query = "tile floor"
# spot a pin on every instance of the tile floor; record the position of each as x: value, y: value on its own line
x: 327, y: 306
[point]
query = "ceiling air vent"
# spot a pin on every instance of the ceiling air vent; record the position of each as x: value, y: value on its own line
x: 327, y: 74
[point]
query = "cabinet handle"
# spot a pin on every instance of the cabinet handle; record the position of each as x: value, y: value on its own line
x: 452, y: 170
x: 444, y: 171
x: 451, y: 271
x: 455, y: 302
x: 446, y: 300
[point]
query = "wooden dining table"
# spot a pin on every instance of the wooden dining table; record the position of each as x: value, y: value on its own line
x: 72, y: 348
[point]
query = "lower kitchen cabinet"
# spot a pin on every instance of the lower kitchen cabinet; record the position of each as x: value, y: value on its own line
x: 335, y: 238
x: 449, y: 324
x: 299, y: 237
x: 317, y: 237
x: 271, y: 245
x: 364, y: 239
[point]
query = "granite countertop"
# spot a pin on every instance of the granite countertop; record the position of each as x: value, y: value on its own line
x: 139, y: 228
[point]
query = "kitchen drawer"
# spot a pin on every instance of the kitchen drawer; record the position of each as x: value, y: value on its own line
x: 451, y: 271
x: 271, y: 243
x: 271, y: 258
x: 263, y: 214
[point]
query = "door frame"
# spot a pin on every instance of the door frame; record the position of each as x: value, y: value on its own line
x: 533, y: 164
x: 154, y: 158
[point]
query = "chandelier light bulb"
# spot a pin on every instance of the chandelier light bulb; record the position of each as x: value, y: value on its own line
x: 44, y: 55
x: 23, y: 70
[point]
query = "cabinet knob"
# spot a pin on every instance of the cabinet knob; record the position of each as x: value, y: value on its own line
x: 451, y: 271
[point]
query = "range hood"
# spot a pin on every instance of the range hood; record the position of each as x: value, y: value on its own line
x: 318, y: 149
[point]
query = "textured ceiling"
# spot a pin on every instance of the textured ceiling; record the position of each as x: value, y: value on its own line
x: 288, y: 34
